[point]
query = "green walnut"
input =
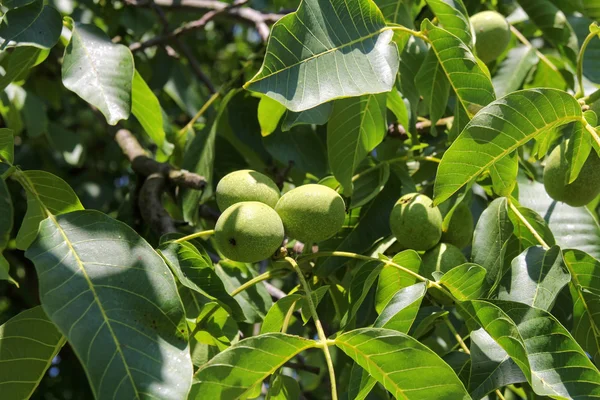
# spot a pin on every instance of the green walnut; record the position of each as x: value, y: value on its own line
x: 579, y: 192
x: 311, y: 213
x: 249, y: 231
x: 246, y: 185
x: 415, y: 222
x: 442, y: 258
x: 460, y: 229
x: 492, y: 34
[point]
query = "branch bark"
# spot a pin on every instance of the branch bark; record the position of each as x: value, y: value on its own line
x: 151, y: 208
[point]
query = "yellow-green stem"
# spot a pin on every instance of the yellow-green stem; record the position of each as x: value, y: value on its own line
x: 531, y: 229
x: 323, y: 339
x: 395, y: 160
x: 580, y: 90
x: 200, y: 112
x: 527, y: 43
x: 262, y: 277
x: 458, y: 338
x: 195, y: 235
x: 592, y: 131
x: 420, y: 35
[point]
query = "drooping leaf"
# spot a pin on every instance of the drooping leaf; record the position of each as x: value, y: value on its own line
x: 392, y: 279
x: 28, y: 343
x: 195, y: 271
x: 318, y: 115
x: 514, y: 69
x: 491, y: 366
x: 472, y: 86
x: 35, y: 24
x: 146, y: 108
x: 522, y: 232
x: 395, y: 103
x: 398, y: 362
x: 585, y: 274
x: 310, y: 57
x: 537, y: 343
x: 116, y: 301
x: 234, y: 372
x: 400, y: 312
x: 572, y: 227
x: 490, y: 240
x: 434, y: 85
x: 411, y: 59
x: 276, y: 316
x: 454, y: 17
x: 7, y: 145
x: 466, y: 281
x: 46, y: 194
x: 535, y: 278
x: 254, y: 301
x: 357, y: 125
x: 499, y: 129
x: 99, y: 71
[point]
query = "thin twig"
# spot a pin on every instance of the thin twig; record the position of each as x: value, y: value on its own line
x: 527, y: 43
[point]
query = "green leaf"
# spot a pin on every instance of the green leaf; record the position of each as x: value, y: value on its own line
x: 46, y: 194
x: 490, y: 240
x: 535, y: 278
x: 234, y: 372
x: 357, y: 125
x: 146, y: 108
x: 434, y: 85
x: 454, y: 17
x: 471, y: 84
x: 35, y: 115
x: 466, y: 281
x: 498, y: 130
x: 277, y: 314
x: 215, y: 327
x: 35, y: 25
x: 411, y: 59
x: 579, y: 148
x: 19, y: 62
x: 310, y: 56
x: 572, y: 227
x: 395, y: 103
x: 591, y: 57
x: 538, y: 343
x: 6, y: 225
x: 317, y: 296
x: 361, y: 383
x: 7, y: 145
x: 522, y: 232
x: 10, y: 4
x: 318, y: 115
x: 68, y: 143
x: 194, y: 270
x: 585, y: 272
x: 28, y: 343
x: 269, y: 114
x: 99, y: 71
x: 254, y: 301
x: 491, y: 366
x: 284, y: 388
x: 116, y: 301
x: 400, y: 312
x: 360, y: 286
x: 397, y: 11
x: 504, y: 174
x: 554, y: 25
x: 398, y: 362
x: 391, y: 279
x: 368, y: 184
x: 514, y: 69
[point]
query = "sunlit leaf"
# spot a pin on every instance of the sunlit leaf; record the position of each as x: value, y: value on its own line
x: 504, y: 174
x: 400, y: 312
x: 274, y: 320
x: 269, y: 113
x: 466, y: 281
x: 454, y: 17
x: 392, y: 279
x: 146, y: 108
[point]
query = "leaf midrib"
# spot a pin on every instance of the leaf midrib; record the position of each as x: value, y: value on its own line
x: 49, y: 214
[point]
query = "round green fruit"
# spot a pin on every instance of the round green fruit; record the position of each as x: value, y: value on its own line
x: 249, y: 232
x: 460, y: 229
x: 442, y: 258
x: 492, y: 34
x: 246, y: 185
x: 579, y: 192
x: 311, y: 213
x: 415, y: 223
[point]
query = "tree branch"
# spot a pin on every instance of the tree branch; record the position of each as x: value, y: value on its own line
x: 151, y: 208
x: 146, y: 166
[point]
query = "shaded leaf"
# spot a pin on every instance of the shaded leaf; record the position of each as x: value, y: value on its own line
x: 397, y: 361
x: 579, y: 146
x: 7, y: 148
x: 99, y: 71
x: 35, y: 24
x: 310, y: 55
x: 276, y: 316
x: 400, y: 312
x: 20, y: 61
x: 466, y: 281
x: 434, y: 85
x: 116, y: 301
x: 522, y: 232
x: 499, y: 129
x: 357, y: 125
x: 368, y: 184
x: 504, y: 174
x: 317, y: 296
x: 514, y: 69
x: 360, y: 286
x: 233, y: 373
x: 318, y: 115
x: 28, y: 343
x: 361, y: 383
x: 46, y: 194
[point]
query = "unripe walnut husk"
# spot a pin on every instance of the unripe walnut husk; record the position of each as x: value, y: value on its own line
x: 246, y: 185
x: 492, y: 34
x: 415, y: 223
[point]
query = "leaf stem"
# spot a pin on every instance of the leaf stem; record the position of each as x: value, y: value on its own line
x: 257, y: 279
x: 200, y: 112
x: 527, y: 225
x: 592, y: 131
x: 313, y: 310
x: 420, y: 35
x: 8, y: 172
x: 580, y: 90
x: 527, y: 43
x: 355, y: 256
x: 454, y: 333
x: 592, y: 97
x: 393, y: 161
x: 195, y: 235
